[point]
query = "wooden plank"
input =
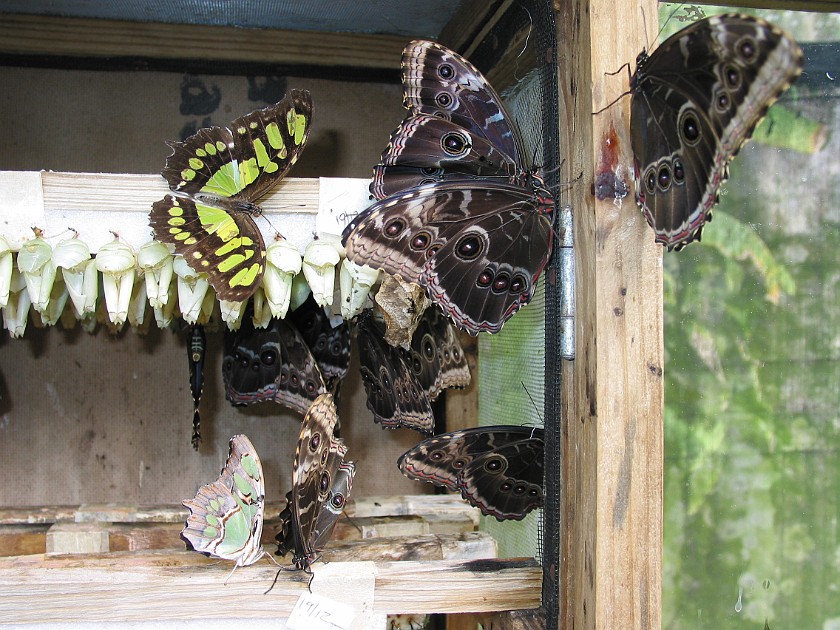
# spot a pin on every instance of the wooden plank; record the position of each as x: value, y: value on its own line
x: 170, y: 586
x: 821, y: 6
x: 44, y: 35
x: 610, y: 575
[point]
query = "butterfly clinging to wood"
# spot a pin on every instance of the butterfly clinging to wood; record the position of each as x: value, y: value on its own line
x: 216, y: 176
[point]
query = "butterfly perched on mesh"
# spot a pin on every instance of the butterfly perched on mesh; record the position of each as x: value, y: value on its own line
x: 329, y: 344
x: 460, y: 213
x: 321, y: 484
x: 498, y: 469
x: 270, y: 364
x: 215, y: 177
x: 696, y: 99
x: 226, y: 516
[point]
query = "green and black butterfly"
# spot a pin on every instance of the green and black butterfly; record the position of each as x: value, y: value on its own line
x: 216, y: 175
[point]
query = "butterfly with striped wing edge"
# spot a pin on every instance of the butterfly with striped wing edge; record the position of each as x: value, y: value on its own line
x: 226, y: 516
x: 695, y: 100
x: 321, y: 484
x: 460, y: 213
x: 216, y: 176
x: 498, y: 469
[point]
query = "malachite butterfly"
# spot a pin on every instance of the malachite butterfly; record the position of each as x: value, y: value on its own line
x: 226, y: 516
x: 215, y: 177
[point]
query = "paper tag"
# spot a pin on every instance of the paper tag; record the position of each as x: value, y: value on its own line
x: 316, y: 612
x: 340, y: 199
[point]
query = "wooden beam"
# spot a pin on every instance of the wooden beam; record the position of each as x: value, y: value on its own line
x: 820, y: 6
x: 44, y: 35
x: 612, y: 445
x: 168, y: 586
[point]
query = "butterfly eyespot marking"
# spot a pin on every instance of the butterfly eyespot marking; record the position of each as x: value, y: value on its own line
x: 534, y: 492
x: 722, y: 102
x: 679, y: 172
x: 485, y: 278
x: 284, y: 376
x: 690, y: 129
x: 650, y: 181
x: 501, y: 283
x: 428, y: 348
x: 469, y: 247
x: 295, y: 379
x: 518, y: 284
x: 446, y: 71
x: 324, y: 483
x: 268, y: 357
x: 733, y: 77
x: 506, y: 486
x: 431, y: 170
x: 394, y: 227
x: 420, y: 241
x: 455, y: 144
x: 416, y: 365
x: 436, y: 456
x: 519, y: 489
x: 311, y: 388
x: 747, y: 48
x: 434, y: 249
x: 458, y: 464
x: 663, y: 177
x: 494, y: 464
x: 314, y: 442
x: 443, y: 99
x: 338, y: 501
x: 324, y: 455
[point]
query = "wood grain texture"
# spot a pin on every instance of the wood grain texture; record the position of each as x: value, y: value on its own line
x: 613, y: 392
x: 167, y: 586
x: 87, y: 38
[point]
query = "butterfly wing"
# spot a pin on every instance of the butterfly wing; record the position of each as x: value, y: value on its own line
x: 216, y: 175
x: 330, y: 345
x: 226, y: 516
x: 696, y: 100
x: 394, y: 394
x: 506, y: 482
x: 477, y: 250
x: 270, y: 364
x: 497, y: 469
x: 436, y: 356
x: 440, y: 82
x: 317, y: 458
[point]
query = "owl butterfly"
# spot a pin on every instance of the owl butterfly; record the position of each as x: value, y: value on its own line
x: 270, y: 364
x: 460, y: 213
x: 696, y: 99
x: 321, y: 483
x: 215, y: 177
x: 330, y: 345
x: 498, y: 469
x: 226, y: 516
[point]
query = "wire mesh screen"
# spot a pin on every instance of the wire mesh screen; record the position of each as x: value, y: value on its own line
x: 519, y: 369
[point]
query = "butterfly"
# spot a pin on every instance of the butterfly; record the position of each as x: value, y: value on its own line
x: 226, y: 516
x: 463, y: 215
x: 696, y: 100
x: 196, y: 347
x: 321, y: 482
x: 270, y: 364
x: 436, y: 356
x: 498, y: 469
x: 330, y: 345
x: 394, y: 393
x: 215, y: 177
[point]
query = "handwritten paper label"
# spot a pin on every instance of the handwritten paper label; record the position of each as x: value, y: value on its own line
x: 316, y: 612
x: 339, y: 201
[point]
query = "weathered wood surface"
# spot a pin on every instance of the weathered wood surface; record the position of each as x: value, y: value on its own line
x: 168, y: 586
x: 612, y: 442
x: 45, y: 35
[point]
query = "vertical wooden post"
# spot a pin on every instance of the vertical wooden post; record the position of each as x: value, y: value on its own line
x: 612, y: 443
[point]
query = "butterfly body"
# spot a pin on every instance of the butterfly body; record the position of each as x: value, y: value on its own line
x: 196, y: 347
x: 226, y: 516
x: 498, y: 469
x: 461, y: 213
x: 696, y: 100
x: 215, y: 177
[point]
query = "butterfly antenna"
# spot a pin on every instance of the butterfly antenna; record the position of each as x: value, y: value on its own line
x: 274, y: 581
x: 229, y: 575
x: 532, y: 402
x: 524, y: 45
x: 352, y: 521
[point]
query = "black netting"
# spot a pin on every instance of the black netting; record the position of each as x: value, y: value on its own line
x: 518, y: 57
